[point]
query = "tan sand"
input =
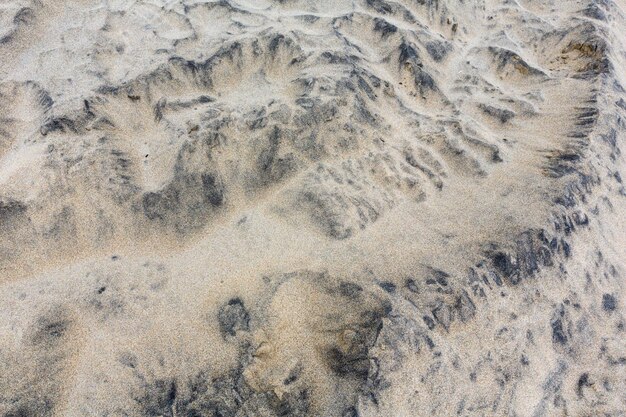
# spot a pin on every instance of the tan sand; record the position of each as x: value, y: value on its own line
x: 312, y: 208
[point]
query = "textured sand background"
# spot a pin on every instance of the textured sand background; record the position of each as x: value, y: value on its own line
x: 312, y: 208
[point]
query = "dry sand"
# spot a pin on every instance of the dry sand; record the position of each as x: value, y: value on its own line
x: 312, y: 208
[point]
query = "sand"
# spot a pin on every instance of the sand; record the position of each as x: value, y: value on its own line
x: 312, y: 208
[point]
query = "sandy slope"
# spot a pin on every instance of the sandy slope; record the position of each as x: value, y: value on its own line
x: 312, y: 208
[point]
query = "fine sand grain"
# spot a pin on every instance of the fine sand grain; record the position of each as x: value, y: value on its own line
x: 242, y: 208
